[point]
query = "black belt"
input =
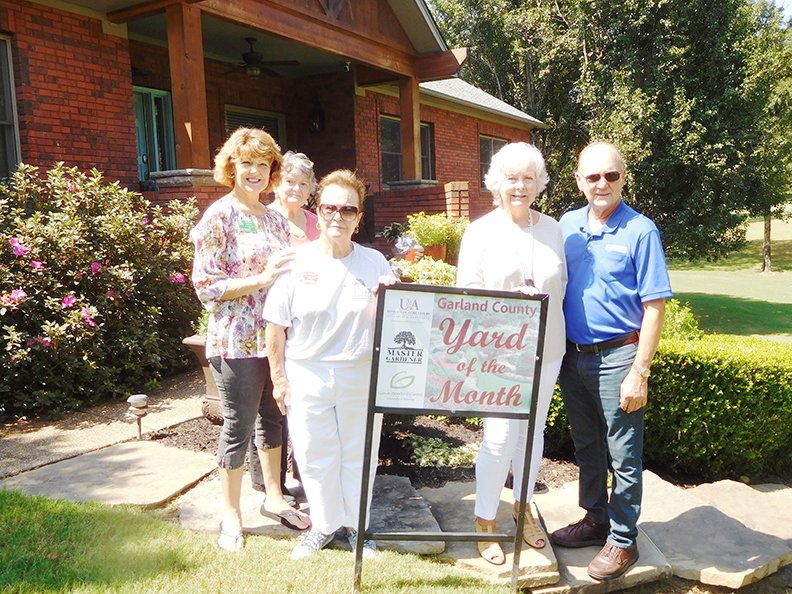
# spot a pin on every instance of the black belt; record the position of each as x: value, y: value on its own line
x: 597, y: 348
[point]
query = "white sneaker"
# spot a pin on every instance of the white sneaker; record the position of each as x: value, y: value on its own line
x: 369, y: 546
x: 311, y: 542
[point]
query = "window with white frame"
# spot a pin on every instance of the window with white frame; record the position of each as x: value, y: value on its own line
x: 245, y: 117
x: 9, y: 126
x: 156, y: 148
x: 390, y: 143
x: 488, y: 146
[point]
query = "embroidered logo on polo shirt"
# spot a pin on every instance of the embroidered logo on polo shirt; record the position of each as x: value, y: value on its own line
x: 309, y: 278
x: 615, y: 247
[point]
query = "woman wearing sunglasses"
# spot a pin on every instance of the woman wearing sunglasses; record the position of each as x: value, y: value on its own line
x: 515, y: 248
x: 321, y: 367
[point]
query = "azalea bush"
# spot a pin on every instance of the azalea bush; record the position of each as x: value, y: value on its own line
x: 95, y: 293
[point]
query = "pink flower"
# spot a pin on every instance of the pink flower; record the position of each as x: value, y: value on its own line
x: 36, y: 265
x: 14, y: 298
x: 86, y: 315
x: 96, y: 268
x: 68, y: 301
x: 47, y: 342
x: 18, y: 295
x: 177, y: 277
x: 18, y: 247
x: 145, y: 221
x: 112, y: 294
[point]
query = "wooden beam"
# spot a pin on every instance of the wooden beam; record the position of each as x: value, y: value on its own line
x: 366, y: 76
x: 313, y: 32
x: 440, y: 65
x: 188, y: 86
x: 410, y: 109
x: 124, y: 15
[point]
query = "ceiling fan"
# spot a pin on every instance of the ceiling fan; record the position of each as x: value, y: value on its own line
x: 253, y: 63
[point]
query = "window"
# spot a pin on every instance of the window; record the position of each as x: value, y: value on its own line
x: 156, y: 148
x: 9, y: 130
x: 390, y: 140
x: 274, y: 123
x: 488, y: 146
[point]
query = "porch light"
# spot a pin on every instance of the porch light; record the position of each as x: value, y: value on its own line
x: 253, y: 71
x: 138, y: 406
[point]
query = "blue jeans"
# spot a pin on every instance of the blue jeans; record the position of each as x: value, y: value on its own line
x: 602, y: 433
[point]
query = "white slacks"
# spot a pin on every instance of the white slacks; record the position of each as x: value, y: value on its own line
x: 503, y: 445
x: 327, y: 423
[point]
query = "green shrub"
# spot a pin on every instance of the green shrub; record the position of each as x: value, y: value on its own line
x: 680, y: 321
x: 430, y: 229
x: 719, y: 407
x: 427, y: 271
x: 433, y: 451
x: 94, y: 292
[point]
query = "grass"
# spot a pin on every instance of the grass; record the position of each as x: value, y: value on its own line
x: 55, y: 546
x: 732, y: 296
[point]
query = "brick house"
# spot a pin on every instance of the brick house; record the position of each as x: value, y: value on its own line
x: 145, y: 91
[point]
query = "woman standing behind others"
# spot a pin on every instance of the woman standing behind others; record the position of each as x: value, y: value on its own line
x: 321, y: 369
x: 515, y: 248
x: 238, y: 255
x: 297, y: 183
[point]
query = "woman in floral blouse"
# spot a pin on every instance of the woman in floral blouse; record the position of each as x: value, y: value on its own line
x: 239, y: 246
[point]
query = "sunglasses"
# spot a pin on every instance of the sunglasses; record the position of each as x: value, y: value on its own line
x: 347, y: 211
x: 610, y: 176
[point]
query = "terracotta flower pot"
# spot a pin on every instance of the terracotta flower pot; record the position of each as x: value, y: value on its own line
x: 437, y: 252
x: 210, y: 406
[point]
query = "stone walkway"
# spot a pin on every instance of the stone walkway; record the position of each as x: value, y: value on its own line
x: 724, y: 533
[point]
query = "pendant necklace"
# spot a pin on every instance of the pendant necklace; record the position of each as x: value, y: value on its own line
x: 527, y: 273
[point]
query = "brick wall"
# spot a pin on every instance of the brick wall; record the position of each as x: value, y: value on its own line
x: 456, y: 144
x: 73, y: 90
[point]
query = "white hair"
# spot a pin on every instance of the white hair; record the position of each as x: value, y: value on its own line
x: 509, y: 157
x: 299, y: 162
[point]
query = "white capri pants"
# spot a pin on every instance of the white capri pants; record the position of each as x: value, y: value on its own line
x: 327, y: 423
x: 503, y: 445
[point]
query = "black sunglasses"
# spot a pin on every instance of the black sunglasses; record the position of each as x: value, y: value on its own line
x: 347, y: 211
x: 610, y: 176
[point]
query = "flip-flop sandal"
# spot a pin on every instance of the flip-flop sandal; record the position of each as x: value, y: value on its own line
x: 291, y: 518
x: 533, y: 535
x: 230, y: 540
x: 490, y: 551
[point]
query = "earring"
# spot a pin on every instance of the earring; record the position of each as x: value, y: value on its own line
x: 357, y: 228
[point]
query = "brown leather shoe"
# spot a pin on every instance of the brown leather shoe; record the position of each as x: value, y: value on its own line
x: 612, y: 561
x: 584, y: 533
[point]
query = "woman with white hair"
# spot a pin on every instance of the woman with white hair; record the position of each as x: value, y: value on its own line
x: 515, y: 248
x: 297, y: 184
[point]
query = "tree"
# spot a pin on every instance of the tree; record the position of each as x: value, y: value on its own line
x: 404, y: 338
x: 679, y: 85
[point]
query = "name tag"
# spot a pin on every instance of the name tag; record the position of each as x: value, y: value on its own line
x: 615, y: 247
x: 247, y: 226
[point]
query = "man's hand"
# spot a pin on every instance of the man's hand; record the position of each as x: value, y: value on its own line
x: 281, y: 393
x: 634, y: 392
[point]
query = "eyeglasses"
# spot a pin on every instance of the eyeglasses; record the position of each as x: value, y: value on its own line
x: 610, y: 176
x: 347, y: 211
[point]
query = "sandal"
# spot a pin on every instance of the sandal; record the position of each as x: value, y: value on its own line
x: 230, y: 540
x: 533, y: 535
x: 490, y: 551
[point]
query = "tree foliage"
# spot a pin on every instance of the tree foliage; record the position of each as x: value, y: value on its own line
x: 694, y: 92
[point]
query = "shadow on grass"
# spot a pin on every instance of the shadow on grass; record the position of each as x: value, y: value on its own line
x: 50, y: 545
x: 748, y: 258
x: 724, y: 314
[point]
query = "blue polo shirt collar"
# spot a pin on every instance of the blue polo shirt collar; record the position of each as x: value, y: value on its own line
x: 611, y: 225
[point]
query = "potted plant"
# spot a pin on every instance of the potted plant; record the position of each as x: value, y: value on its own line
x: 210, y: 406
x: 433, y: 231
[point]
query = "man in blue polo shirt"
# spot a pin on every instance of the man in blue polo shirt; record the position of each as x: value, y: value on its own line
x: 614, y: 308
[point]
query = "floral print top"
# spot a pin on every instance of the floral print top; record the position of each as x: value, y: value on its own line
x: 231, y: 244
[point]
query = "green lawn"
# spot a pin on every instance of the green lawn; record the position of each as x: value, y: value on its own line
x: 55, y: 546
x: 731, y: 296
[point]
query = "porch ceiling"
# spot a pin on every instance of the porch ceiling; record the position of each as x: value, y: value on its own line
x: 224, y: 40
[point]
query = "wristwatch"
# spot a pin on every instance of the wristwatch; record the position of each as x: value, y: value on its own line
x: 642, y: 371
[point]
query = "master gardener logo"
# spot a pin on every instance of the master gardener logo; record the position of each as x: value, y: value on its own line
x: 405, y: 352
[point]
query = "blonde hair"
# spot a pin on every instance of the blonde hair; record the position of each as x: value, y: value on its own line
x: 247, y: 144
x: 344, y: 178
x: 513, y: 155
